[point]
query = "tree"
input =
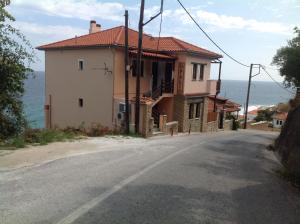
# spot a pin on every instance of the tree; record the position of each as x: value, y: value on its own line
x: 264, y: 115
x: 288, y: 59
x: 16, y: 55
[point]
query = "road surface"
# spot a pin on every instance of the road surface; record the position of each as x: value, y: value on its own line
x: 225, y: 177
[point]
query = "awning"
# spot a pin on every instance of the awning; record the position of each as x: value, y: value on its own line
x: 152, y: 55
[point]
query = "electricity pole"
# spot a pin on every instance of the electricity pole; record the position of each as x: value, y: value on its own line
x: 248, y: 92
x: 127, y: 68
x: 139, y: 57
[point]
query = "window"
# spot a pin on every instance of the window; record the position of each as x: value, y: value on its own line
x: 191, y: 111
x: 134, y: 68
x: 280, y: 122
x: 195, y: 66
x: 201, y: 72
x: 122, y: 107
x: 197, y: 110
x: 80, y: 102
x: 198, y: 71
x: 277, y: 122
x: 80, y: 64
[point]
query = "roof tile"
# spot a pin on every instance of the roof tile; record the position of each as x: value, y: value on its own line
x: 116, y: 37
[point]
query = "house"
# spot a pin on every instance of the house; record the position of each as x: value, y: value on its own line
x: 85, y: 81
x: 279, y: 119
x: 219, y: 108
x: 252, y: 114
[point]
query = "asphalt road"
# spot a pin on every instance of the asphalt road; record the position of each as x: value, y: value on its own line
x: 212, y: 178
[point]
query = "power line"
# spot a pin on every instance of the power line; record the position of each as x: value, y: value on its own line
x: 263, y: 67
x: 159, y: 32
x: 228, y: 55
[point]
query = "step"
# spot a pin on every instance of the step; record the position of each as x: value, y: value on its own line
x: 158, y: 133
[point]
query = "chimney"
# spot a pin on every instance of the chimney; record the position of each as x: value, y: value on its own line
x: 94, y: 27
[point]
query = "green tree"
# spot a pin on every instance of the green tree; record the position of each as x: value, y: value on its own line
x: 288, y: 59
x: 264, y: 115
x: 16, y: 55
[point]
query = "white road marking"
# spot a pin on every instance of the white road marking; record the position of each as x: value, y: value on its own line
x: 91, y: 204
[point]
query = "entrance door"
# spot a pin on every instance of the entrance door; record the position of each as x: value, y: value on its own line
x: 181, y: 67
x: 168, y: 72
x: 154, y: 74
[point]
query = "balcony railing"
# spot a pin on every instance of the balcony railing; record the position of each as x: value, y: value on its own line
x: 164, y: 87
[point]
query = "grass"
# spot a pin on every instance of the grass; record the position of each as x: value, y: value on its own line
x: 291, y: 177
x: 46, y: 136
x: 39, y: 137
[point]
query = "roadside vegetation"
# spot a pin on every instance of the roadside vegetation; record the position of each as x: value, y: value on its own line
x: 36, y: 137
x: 291, y: 177
x: 39, y: 137
x: 287, y: 145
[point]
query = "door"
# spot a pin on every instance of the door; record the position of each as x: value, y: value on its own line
x: 180, y: 81
x: 154, y: 74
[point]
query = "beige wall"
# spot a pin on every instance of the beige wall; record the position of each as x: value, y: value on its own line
x: 119, y: 78
x: 66, y: 84
x: 196, y: 86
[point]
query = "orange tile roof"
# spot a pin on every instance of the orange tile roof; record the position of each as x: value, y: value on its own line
x: 116, y: 36
x: 280, y: 115
x: 152, y: 55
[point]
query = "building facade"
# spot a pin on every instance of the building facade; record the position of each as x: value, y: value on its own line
x: 85, y: 81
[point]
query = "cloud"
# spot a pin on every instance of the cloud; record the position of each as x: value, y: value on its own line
x: 232, y: 22
x: 84, y: 9
x: 48, y: 32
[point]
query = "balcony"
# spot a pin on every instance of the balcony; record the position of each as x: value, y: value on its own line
x: 211, y: 87
x: 163, y: 88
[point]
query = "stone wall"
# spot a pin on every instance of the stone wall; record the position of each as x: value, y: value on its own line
x: 171, y: 128
x: 212, y: 126
x: 227, y: 125
x: 179, y: 111
x: 181, y: 114
x: 147, y: 120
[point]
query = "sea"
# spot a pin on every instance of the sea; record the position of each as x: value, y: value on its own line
x: 261, y: 94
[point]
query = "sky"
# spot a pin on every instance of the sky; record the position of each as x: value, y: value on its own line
x: 249, y: 30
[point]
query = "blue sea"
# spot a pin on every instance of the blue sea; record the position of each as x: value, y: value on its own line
x: 262, y: 94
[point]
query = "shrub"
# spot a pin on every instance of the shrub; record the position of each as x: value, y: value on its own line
x: 235, y: 124
x: 97, y: 130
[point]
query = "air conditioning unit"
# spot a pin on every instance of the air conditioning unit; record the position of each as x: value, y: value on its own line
x: 121, y: 116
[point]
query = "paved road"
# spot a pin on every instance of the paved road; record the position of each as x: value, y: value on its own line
x: 213, y: 178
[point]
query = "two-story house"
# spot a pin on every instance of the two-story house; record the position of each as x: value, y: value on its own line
x: 85, y: 80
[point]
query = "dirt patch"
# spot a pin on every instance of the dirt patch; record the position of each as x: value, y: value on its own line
x: 35, y: 155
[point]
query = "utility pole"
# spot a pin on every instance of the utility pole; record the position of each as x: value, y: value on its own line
x: 248, y: 92
x: 139, y: 57
x: 127, y: 68
x: 218, y: 85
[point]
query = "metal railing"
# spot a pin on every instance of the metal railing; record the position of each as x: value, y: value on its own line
x: 164, y: 87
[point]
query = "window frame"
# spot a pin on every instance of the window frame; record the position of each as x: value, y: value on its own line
x: 198, y: 112
x: 123, y: 105
x: 201, y: 76
x: 191, y: 111
x: 80, y: 64
x: 194, y: 72
x: 80, y: 102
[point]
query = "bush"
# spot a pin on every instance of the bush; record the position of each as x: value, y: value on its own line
x: 291, y: 177
x: 264, y: 115
x: 41, y: 137
x: 235, y: 124
x: 97, y: 130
